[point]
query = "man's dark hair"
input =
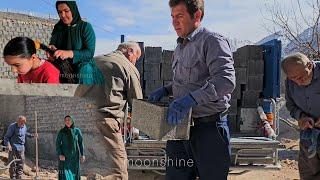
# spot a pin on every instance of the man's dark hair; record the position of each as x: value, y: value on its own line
x: 192, y: 6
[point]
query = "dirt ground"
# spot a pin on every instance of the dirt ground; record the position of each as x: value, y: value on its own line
x: 288, y: 171
x: 288, y: 136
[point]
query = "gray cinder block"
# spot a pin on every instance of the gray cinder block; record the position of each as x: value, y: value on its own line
x: 241, y: 56
x: 234, y: 124
x: 166, y: 72
x: 241, y: 75
x: 236, y: 94
x: 256, y: 52
x: 236, y: 59
x: 152, y: 71
x: 256, y: 68
x: 250, y: 98
x: 167, y: 56
x: 151, y: 119
x: 233, y: 107
x: 153, y: 54
x: 255, y: 83
x: 249, y: 120
x: 152, y: 85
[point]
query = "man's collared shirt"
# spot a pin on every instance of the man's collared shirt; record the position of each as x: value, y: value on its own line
x: 304, y: 99
x: 203, y: 66
x: 16, y: 136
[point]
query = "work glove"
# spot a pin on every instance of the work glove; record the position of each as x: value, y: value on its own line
x: 179, y: 109
x: 158, y: 94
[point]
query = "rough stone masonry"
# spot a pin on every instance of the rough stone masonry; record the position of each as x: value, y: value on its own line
x: 52, y: 103
x: 13, y: 25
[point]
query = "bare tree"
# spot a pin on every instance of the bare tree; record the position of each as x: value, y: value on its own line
x: 297, y: 23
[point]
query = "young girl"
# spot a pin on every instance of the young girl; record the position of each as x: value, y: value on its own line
x: 20, y: 54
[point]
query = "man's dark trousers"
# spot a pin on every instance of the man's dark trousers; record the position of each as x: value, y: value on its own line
x: 206, y: 154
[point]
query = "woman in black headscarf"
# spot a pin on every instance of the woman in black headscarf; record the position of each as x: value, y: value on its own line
x: 69, y: 148
x: 73, y: 41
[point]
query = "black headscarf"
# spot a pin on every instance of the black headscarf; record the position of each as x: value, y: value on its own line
x: 66, y: 67
x: 70, y: 133
x: 60, y: 26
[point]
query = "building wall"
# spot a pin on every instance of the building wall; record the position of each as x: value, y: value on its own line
x: 51, y: 109
x: 13, y: 25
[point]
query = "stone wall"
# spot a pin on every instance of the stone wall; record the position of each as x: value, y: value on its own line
x: 52, y: 107
x: 13, y: 25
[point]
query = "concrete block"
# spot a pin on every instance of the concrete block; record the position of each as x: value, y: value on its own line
x: 233, y: 124
x: 151, y: 119
x: 152, y: 66
x: 237, y: 59
x: 250, y: 98
x: 256, y: 52
x: 236, y: 94
x: 166, y: 72
x: 255, y: 83
x: 152, y: 85
x: 249, y: 117
x: 256, y: 68
x: 241, y: 75
x: 233, y: 107
x: 167, y: 57
x: 153, y: 54
x: 152, y: 71
x: 241, y: 56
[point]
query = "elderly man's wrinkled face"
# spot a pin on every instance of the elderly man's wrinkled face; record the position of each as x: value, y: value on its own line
x: 133, y: 55
x: 21, y: 122
x: 301, y: 75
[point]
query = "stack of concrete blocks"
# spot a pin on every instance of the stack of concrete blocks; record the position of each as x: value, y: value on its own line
x: 152, y: 69
x: 166, y: 69
x: 157, y: 69
x: 13, y: 25
x: 249, y: 67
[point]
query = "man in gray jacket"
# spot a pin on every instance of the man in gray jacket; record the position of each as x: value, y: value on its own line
x: 203, y: 79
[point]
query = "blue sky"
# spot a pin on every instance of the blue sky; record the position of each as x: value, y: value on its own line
x: 149, y: 20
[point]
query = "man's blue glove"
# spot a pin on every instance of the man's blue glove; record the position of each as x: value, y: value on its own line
x: 179, y: 109
x: 158, y: 94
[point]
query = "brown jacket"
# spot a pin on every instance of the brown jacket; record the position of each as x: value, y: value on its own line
x: 122, y: 82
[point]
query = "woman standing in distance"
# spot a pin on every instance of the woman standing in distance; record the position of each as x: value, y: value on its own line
x: 69, y: 148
